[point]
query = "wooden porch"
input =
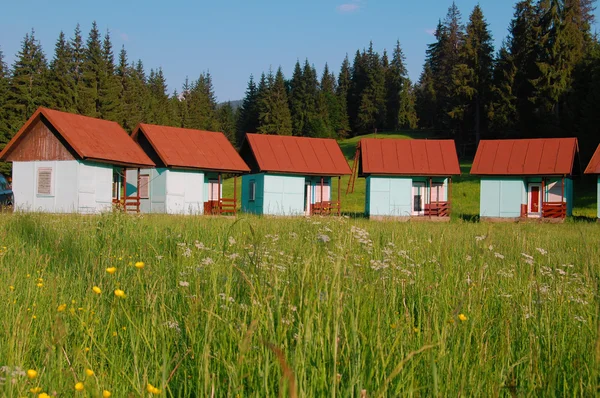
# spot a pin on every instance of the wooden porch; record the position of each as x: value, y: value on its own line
x: 120, y: 200
x: 327, y: 207
x: 437, y: 209
x: 222, y: 206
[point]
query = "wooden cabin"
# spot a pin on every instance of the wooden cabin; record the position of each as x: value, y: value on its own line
x: 190, y: 168
x: 67, y: 163
x: 594, y: 168
x: 406, y: 179
x: 526, y: 178
x: 292, y: 176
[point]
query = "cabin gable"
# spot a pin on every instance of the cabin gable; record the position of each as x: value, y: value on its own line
x: 40, y: 142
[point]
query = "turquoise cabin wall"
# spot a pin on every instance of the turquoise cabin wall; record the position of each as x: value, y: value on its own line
x: 157, y: 190
x: 389, y: 196
x: 283, y: 194
x: 392, y: 196
x: 598, y: 197
x: 501, y: 197
x: 255, y: 206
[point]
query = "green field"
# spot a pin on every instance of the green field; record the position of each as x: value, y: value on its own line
x: 303, y: 307
x: 300, y: 307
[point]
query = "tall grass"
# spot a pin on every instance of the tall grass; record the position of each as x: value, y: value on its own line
x: 298, y: 307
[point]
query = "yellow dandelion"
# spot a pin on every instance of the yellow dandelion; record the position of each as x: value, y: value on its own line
x: 111, y: 270
x: 61, y: 308
x: 89, y: 372
x: 119, y: 293
x: 86, y: 349
x: 32, y: 374
x: 11, y: 287
x: 35, y: 390
x: 43, y: 395
x: 39, y: 284
x: 139, y: 265
x: 79, y: 386
x: 152, y: 390
x: 106, y: 394
x: 96, y: 290
x: 462, y: 317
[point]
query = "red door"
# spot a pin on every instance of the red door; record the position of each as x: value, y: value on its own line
x: 535, y: 199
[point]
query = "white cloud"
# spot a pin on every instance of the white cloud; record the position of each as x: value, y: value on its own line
x: 124, y: 36
x: 347, y: 8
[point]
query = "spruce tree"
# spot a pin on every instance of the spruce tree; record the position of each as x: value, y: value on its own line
x: 227, y: 121
x: 371, y: 111
x: 159, y: 109
x: 298, y: 101
x: 61, y: 85
x: 28, y: 83
x: 333, y: 111
x: 397, y: 89
x: 502, y: 111
x: 108, y: 85
x: 274, y: 111
x: 77, y: 58
x: 478, y: 58
x: 426, y: 98
x: 248, y: 112
x: 201, y: 104
x: 342, y: 92
x: 4, y: 127
x: 407, y: 114
x: 89, y: 89
x: 522, y: 48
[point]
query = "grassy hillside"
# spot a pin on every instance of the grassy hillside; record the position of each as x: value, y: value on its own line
x: 465, y: 189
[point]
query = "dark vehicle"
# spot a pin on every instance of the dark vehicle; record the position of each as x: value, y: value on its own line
x: 6, y: 193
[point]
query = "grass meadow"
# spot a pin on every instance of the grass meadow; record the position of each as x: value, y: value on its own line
x: 304, y: 307
x: 153, y: 305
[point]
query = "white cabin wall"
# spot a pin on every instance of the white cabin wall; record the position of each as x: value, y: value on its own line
x: 63, y: 197
x: 95, y: 187
x: 185, y: 192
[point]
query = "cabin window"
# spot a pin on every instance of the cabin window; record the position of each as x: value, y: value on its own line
x: 252, y: 190
x: 144, y: 186
x: 44, y: 181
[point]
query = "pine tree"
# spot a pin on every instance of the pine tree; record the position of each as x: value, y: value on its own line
x: 202, y: 104
x: 61, y: 82
x: 4, y: 128
x: 343, y: 124
x: 226, y: 120
x: 426, y: 98
x: 478, y: 59
x: 274, y: 111
x: 89, y: 89
x: 248, y: 113
x: 334, y: 114
x: 298, y: 101
x: 108, y: 86
x: 77, y: 59
x: 28, y: 88
x: 522, y: 49
x: 159, y: 109
x: 407, y: 114
x: 358, y: 83
x: 396, y: 90
x: 502, y: 112
x: 371, y: 112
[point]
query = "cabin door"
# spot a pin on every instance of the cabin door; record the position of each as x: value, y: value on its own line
x: 534, y: 206
x: 418, y: 199
x: 307, y: 197
x: 212, y: 205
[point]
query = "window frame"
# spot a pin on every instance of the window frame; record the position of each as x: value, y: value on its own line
x: 50, y: 191
x: 146, y: 186
x: 252, y: 190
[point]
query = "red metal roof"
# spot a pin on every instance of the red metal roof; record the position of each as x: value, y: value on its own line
x: 90, y: 138
x: 298, y: 155
x: 408, y: 157
x: 538, y: 156
x: 188, y: 148
x: 594, y: 165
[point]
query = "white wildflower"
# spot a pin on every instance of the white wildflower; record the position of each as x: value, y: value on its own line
x: 184, y: 283
x: 542, y: 251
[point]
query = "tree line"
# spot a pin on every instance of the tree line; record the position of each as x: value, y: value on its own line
x: 543, y: 81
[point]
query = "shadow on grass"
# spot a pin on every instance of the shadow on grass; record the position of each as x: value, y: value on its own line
x: 583, y: 219
x: 474, y: 218
x: 355, y: 214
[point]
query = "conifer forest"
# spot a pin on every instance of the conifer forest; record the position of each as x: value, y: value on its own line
x: 543, y: 81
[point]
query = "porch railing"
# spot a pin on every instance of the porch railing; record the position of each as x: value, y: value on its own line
x: 325, y: 208
x: 221, y: 206
x: 130, y: 204
x: 554, y: 209
x: 437, y: 209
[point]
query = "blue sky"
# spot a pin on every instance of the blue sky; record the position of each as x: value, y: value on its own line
x: 233, y: 39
